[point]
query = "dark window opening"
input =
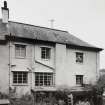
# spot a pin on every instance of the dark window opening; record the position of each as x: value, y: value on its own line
x: 20, y: 77
x: 79, y: 57
x: 45, y: 53
x: 79, y: 79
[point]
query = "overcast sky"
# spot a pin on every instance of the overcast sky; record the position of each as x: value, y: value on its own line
x: 82, y: 18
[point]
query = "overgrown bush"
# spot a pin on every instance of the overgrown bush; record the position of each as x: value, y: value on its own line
x: 24, y: 100
x: 4, y: 95
x: 98, y: 90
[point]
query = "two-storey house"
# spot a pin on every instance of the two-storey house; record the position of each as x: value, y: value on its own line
x: 43, y: 59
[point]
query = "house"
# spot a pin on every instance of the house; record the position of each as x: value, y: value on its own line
x: 40, y: 59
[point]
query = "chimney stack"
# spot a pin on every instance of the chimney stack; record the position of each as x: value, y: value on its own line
x: 5, y: 13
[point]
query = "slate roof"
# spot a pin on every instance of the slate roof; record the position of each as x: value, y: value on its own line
x: 41, y: 33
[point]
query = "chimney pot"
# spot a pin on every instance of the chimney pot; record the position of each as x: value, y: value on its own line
x: 5, y: 4
x: 5, y: 13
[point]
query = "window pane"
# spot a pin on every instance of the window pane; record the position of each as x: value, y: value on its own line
x: 24, y: 80
x: 79, y: 79
x: 43, y: 56
x: 19, y: 81
x: 20, y: 50
x: 36, y: 83
x: 45, y: 53
x: 43, y: 79
x: 17, y: 51
x: 23, y: 51
x: 14, y: 81
x: 79, y: 57
x: 20, y: 77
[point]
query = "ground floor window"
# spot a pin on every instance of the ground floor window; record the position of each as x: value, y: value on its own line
x: 43, y: 79
x: 79, y: 79
x: 20, y: 77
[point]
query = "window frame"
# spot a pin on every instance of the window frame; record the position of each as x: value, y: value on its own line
x: 79, y: 57
x: 18, y: 51
x: 43, y: 80
x: 45, y: 53
x: 19, y: 78
x: 79, y: 80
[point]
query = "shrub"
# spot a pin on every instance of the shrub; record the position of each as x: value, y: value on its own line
x: 24, y: 100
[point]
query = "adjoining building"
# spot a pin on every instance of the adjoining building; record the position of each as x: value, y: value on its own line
x: 40, y: 59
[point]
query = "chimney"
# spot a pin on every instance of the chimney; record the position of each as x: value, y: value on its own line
x: 5, y: 13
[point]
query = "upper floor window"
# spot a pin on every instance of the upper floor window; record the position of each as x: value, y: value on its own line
x: 79, y: 57
x: 79, y: 79
x: 43, y: 79
x: 45, y: 52
x: 20, y: 51
x: 20, y: 77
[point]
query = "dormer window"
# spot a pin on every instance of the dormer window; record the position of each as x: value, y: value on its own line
x: 45, y: 52
x: 79, y: 57
x: 20, y: 51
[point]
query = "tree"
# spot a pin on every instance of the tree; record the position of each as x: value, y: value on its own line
x: 98, y: 90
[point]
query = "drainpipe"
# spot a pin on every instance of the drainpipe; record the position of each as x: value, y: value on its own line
x: 97, y: 65
x: 9, y: 61
x: 34, y: 94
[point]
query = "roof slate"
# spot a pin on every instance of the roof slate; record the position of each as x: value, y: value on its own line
x: 41, y: 33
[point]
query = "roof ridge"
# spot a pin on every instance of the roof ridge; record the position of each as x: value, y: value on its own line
x: 38, y: 26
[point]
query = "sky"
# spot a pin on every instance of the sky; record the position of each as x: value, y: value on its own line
x: 84, y: 19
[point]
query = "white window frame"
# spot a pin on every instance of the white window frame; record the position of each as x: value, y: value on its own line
x: 44, y: 79
x: 20, y: 51
x: 20, y: 78
x: 45, y: 53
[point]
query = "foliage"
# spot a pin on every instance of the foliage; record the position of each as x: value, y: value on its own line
x: 100, y: 85
x: 24, y: 100
x: 3, y: 96
x: 61, y: 94
x: 98, y: 90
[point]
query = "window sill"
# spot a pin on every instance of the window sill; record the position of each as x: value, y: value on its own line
x: 81, y: 63
x: 79, y: 85
x: 45, y: 59
x: 20, y: 57
x: 45, y: 86
x: 19, y: 84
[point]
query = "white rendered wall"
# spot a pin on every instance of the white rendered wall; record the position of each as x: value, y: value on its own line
x: 67, y: 68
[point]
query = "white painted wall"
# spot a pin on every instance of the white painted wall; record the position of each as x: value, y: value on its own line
x: 60, y: 59
x: 67, y: 68
x: 29, y: 64
x: 63, y: 62
x: 4, y: 68
x: 22, y: 64
x: 49, y: 62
